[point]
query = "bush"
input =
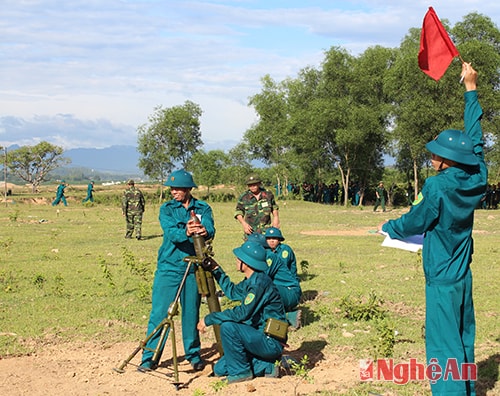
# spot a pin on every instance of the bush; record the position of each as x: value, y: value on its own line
x: 362, y: 308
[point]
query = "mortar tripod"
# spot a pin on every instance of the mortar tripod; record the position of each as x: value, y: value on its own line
x: 163, y: 328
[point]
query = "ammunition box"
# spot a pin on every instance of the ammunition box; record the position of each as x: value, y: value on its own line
x: 277, y: 329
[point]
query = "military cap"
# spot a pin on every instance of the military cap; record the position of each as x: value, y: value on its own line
x: 273, y: 232
x: 258, y: 238
x: 253, y: 179
x: 180, y: 178
x: 253, y: 255
x: 454, y: 145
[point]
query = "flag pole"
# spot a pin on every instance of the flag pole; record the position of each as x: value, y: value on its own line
x: 463, y: 75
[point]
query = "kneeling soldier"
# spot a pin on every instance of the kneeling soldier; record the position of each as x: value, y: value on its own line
x: 253, y: 334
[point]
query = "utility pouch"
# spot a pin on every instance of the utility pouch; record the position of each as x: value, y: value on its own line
x: 276, y: 328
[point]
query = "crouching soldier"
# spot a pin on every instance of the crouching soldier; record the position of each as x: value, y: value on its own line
x: 253, y: 334
x: 282, y: 269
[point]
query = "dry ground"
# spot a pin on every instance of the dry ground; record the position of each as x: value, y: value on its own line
x: 87, y: 369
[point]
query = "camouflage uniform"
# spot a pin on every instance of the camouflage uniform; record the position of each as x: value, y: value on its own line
x: 133, y: 205
x: 257, y: 213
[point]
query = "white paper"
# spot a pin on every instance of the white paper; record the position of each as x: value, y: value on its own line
x: 412, y: 244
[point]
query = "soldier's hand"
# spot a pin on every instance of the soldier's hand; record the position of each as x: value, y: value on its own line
x: 247, y: 228
x: 209, y: 264
x: 201, y: 326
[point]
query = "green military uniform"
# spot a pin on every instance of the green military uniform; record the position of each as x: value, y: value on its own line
x: 282, y: 269
x: 90, y: 193
x: 248, y: 351
x: 60, y: 194
x: 133, y: 206
x: 444, y: 211
x: 256, y: 211
x: 380, y: 201
x: 171, y: 267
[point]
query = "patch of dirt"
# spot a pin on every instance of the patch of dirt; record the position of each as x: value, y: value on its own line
x: 87, y: 369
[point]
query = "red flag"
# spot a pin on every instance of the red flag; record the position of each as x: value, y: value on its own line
x: 436, y: 48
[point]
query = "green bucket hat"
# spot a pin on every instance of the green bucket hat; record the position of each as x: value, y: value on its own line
x: 454, y: 145
x: 273, y: 232
x: 180, y: 178
x: 258, y: 238
x: 253, y: 255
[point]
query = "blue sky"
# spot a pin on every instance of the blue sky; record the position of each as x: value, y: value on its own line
x: 87, y: 73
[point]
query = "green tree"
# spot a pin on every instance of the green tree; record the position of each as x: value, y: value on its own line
x: 207, y: 167
x: 327, y: 118
x: 478, y: 40
x: 423, y: 107
x: 33, y: 163
x: 342, y: 118
x: 361, y: 135
x: 239, y: 164
x: 172, y: 135
x: 267, y: 138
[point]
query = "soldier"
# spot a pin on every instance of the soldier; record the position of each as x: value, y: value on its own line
x: 410, y: 193
x: 282, y: 269
x: 444, y: 213
x: 255, y: 208
x: 90, y: 192
x: 249, y: 348
x: 380, y: 193
x: 178, y: 230
x: 133, y: 206
x: 60, y: 194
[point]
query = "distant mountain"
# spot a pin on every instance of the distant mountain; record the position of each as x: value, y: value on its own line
x: 109, y: 159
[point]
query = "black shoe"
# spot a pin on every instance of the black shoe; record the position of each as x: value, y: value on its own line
x: 138, y: 238
x: 147, y: 365
x: 198, y: 366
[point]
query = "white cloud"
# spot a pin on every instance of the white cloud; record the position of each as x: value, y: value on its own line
x: 108, y: 64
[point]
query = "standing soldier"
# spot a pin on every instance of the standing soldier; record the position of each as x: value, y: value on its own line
x: 133, y: 205
x: 410, y: 193
x: 60, y: 194
x: 444, y: 213
x: 255, y: 208
x: 380, y: 193
x: 90, y: 192
x: 178, y: 231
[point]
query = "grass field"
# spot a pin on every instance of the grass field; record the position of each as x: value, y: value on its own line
x: 68, y: 274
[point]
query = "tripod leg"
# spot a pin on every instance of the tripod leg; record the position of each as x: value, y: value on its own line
x: 120, y: 368
x: 161, y: 343
x: 174, y: 359
x: 164, y: 326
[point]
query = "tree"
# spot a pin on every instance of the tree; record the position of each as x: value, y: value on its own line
x: 33, y: 163
x: 239, y: 166
x: 267, y: 138
x: 478, y: 40
x: 335, y: 116
x: 422, y: 107
x: 171, y: 136
x: 342, y: 119
x: 207, y: 167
